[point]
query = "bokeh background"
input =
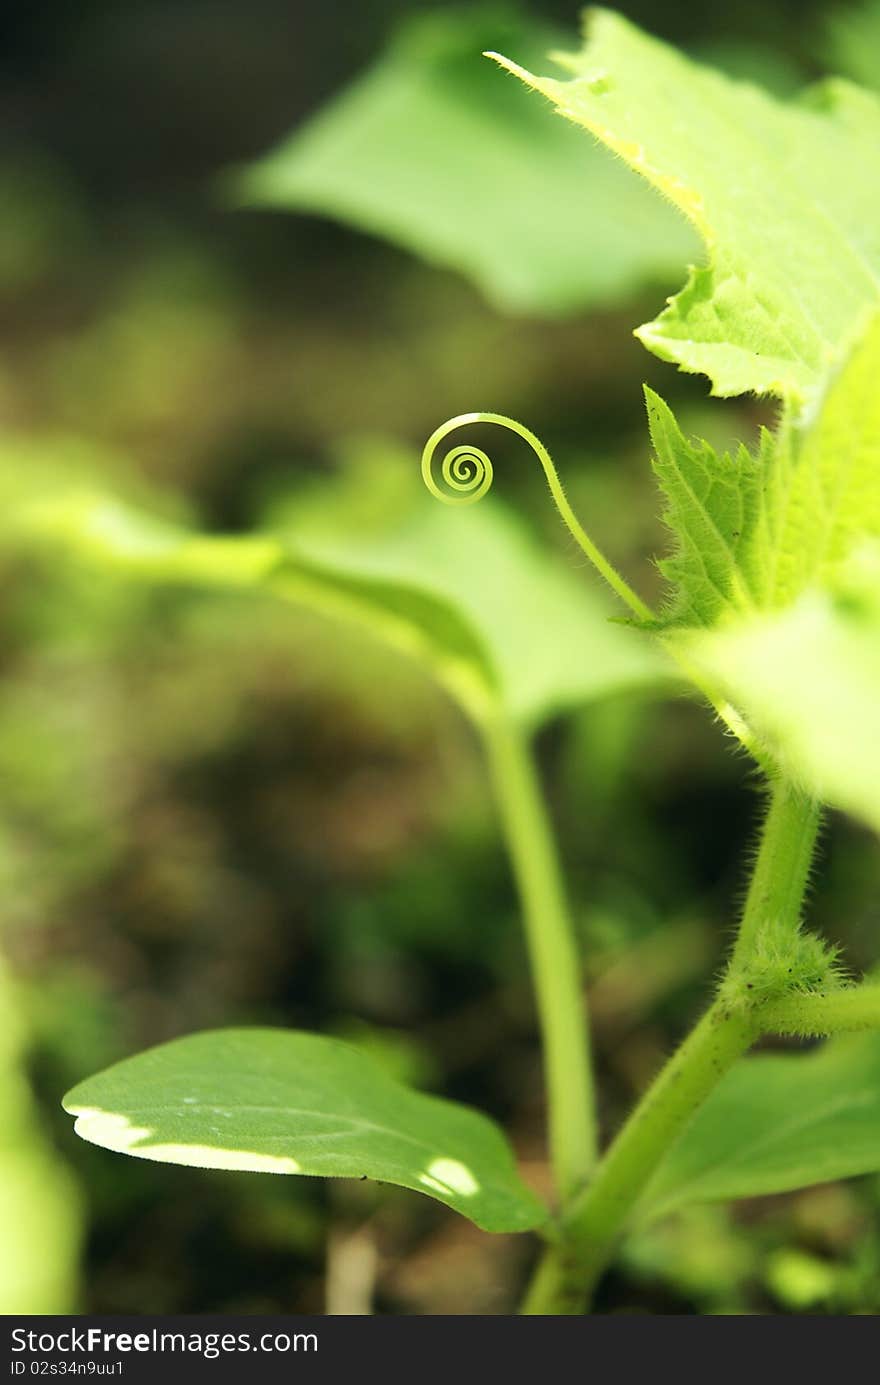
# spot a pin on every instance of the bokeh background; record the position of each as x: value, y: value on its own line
x: 218, y: 808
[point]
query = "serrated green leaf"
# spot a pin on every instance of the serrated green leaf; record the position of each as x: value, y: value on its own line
x: 713, y: 505
x: 432, y: 150
x: 786, y: 197
x: 270, y: 1101
x: 775, y: 1123
x: 754, y: 532
x: 808, y: 679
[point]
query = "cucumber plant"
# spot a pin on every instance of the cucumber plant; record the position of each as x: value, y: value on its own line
x: 772, y: 615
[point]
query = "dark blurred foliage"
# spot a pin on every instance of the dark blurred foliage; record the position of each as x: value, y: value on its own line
x: 220, y: 811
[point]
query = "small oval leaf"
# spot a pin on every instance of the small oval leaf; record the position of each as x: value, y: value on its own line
x: 276, y: 1101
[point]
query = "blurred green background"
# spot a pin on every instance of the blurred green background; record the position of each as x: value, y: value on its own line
x: 218, y: 808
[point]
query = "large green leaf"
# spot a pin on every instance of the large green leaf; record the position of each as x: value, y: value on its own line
x: 754, y: 532
x: 270, y: 1101
x: 778, y: 1122
x: 433, y: 150
x: 785, y: 196
x: 501, y: 623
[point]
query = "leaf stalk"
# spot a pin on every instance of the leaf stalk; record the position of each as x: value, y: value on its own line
x: 553, y: 954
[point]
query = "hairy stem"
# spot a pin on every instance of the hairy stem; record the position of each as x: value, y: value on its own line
x: 779, y: 879
x: 853, y: 1008
x: 593, y: 1222
x: 553, y: 955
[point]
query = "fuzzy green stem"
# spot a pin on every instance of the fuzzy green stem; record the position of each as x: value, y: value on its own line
x: 593, y: 1224
x: 553, y: 954
x: 776, y: 891
x: 594, y: 1221
x: 811, y: 1015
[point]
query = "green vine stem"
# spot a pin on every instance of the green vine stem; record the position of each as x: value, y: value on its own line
x: 592, y: 1224
x: 782, y: 868
x: 553, y: 955
x: 812, y: 1016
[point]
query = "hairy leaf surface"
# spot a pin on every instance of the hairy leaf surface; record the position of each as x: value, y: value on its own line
x: 753, y: 532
